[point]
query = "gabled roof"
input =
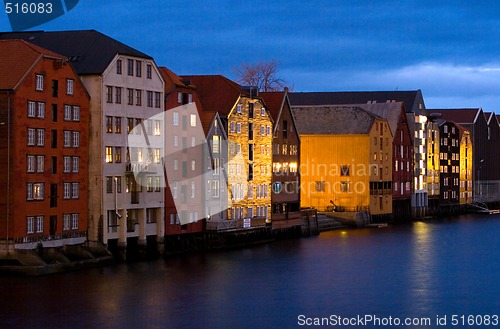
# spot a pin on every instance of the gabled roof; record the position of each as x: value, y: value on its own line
x: 389, y: 111
x: 18, y: 58
x: 332, y: 120
x: 216, y: 92
x: 172, y: 80
x: 274, y: 102
x: 491, y: 118
x: 463, y: 115
x: 89, y: 51
x: 411, y: 99
x: 461, y: 130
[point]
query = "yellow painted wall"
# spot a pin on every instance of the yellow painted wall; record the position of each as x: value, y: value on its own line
x: 466, y: 185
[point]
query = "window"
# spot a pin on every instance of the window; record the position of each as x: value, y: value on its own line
x: 262, y: 130
x: 193, y: 190
x: 344, y: 170
x: 130, y: 67
x: 118, y: 154
x: 76, y: 113
x: 76, y: 164
x: 69, y: 86
x: 109, y: 94
x: 238, y: 108
x: 40, y: 137
x: 109, y: 184
x: 30, y: 224
x: 67, y: 113
x: 320, y: 186
x: 118, y: 66
x: 138, y: 97
x: 250, y: 131
x: 67, y: 164
x: 175, y: 118
x: 66, y: 222
x: 238, y: 127
x: 31, y: 136
x: 130, y: 125
x: 193, y: 120
x: 285, y: 129
x: 39, y: 82
x: 138, y: 68
x: 30, y: 163
x: 157, y: 131
x: 215, y: 144
x: 67, y: 138
x: 157, y: 99
x: 31, y: 109
x: 344, y: 186
x: 41, y: 110
x: 109, y: 124
x: 118, y: 95
x: 179, y: 97
x: 109, y: 154
x: 66, y: 191
x: 74, y: 221
x: 149, y: 71
x: 118, y: 125
x: 55, y: 88
x: 118, y: 181
x: 34, y: 191
x: 40, y: 163
x: 157, y: 155
x: 250, y: 110
x: 75, y: 190
x: 39, y: 224
x: 262, y: 111
x: 149, y: 98
x: 130, y: 96
x: 149, y: 184
x: 76, y: 139
x: 268, y: 130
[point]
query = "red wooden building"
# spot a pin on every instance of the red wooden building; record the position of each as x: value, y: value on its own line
x: 43, y: 148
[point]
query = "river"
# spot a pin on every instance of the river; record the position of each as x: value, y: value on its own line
x: 444, y: 269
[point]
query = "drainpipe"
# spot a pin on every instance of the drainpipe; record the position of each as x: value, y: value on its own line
x: 8, y: 169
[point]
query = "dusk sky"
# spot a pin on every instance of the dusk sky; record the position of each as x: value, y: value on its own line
x: 448, y: 49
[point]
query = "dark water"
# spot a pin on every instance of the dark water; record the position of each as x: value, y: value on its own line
x: 426, y: 269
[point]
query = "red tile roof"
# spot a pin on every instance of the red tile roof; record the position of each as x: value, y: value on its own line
x: 172, y: 80
x: 273, y: 102
x: 465, y: 115
x: 216, y: 92
x: 18, y: 58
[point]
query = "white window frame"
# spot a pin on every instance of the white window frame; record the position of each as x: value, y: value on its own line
x: 31, y: 109
x: 70, y: 86
x: 39, y: 82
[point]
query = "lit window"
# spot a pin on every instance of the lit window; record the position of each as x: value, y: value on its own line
x: 109, y: 154
x: 193, y: 120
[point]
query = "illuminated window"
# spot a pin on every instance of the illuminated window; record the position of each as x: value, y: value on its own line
x: 109, y: 154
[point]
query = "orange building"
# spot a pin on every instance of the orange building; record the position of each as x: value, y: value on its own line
x: 184, y: 144
x: 43, y: 148
x: 345, y: 159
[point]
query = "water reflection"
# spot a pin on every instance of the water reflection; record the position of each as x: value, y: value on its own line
x: 422, y: 269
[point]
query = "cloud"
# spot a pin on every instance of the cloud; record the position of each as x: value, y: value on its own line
x: 442, y: 84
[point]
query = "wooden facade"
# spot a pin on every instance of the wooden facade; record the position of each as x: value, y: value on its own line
x: 44, y: 161
x: 285, y: 195
x: 334, y: 174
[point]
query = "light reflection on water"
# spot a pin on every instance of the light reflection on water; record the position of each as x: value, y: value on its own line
x: 422, y: 269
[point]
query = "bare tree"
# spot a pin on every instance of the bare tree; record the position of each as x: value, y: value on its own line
x: 262, y: 75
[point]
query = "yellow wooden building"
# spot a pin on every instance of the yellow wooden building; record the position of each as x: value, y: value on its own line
x: 466, y: 185
x: 345, y: 159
